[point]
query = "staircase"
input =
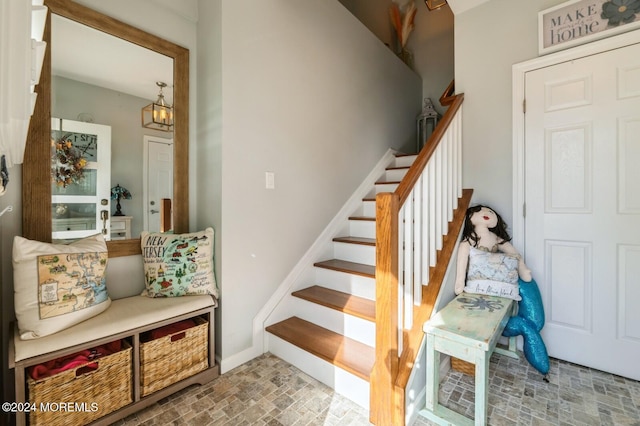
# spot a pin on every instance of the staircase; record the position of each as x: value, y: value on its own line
x: 354, y: 321
x: 335, y: 319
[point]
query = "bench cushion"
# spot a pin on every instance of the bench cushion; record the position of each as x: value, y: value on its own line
x: 122, y: 316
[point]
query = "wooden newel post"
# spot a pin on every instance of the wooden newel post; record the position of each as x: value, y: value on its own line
x: 385, y: 370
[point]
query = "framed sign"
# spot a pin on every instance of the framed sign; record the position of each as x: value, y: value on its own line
x: 581, y: 21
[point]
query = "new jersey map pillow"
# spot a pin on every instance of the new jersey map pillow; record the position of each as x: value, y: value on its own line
x: 178, y: 264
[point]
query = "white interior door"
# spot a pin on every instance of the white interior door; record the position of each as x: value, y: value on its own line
x: 582, y: 192
x: 158, y: 182
x: 78, y: 204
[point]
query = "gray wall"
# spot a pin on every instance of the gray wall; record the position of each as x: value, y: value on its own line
x: 308, y: 93
x: 208, y: 159
x: 431, y: 40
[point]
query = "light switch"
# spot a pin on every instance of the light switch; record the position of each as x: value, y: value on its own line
x: 270, y: 180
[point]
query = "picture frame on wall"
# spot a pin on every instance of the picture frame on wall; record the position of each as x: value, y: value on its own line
x: 576, y: 22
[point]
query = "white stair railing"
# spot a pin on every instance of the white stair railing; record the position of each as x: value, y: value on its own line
x: 424, y: 217
x: 410, y: 225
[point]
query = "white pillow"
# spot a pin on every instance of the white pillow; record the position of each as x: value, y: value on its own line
x: 495, y: 274
x: 58, y: 285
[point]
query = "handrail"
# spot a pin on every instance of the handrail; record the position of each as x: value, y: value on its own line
x: 399, y: 262
x: 416, y: 169
x: 448, y: 96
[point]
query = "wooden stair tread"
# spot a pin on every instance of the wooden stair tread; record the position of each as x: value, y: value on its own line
x: 348, y: 354
x: 348, y: 267
x: 356, y: 240
x: 391, y: 182
x: 343, y: 302
x: 365, y: 218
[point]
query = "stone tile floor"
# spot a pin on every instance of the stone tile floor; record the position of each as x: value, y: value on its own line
x: 269, y: 391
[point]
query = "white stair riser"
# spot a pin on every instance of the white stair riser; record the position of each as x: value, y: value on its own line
x: 347, y: 283
x: 344, y: 383
x: 385, y: 187
x: 395, y: 175
x: 349, y: 326
x: 358, y: 253
x: 362, y: 228
x: 368, y: 209
x: 405, y: 160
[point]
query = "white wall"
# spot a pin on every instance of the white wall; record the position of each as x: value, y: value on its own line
x: 310, y: 95
x: 489, y: 39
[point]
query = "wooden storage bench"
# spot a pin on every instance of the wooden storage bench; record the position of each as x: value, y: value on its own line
x: 125, y: 319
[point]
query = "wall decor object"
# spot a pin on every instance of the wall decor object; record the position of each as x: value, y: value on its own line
x: 581, y: 21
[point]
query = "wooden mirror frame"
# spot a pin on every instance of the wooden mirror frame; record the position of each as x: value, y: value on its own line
x: 36, y: 178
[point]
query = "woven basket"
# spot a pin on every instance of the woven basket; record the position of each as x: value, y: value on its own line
x: 463, y: 366
x: 91, y: 395
x: 174, y: 357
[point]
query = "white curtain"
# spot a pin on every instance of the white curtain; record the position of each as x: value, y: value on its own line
x: 20, y: 63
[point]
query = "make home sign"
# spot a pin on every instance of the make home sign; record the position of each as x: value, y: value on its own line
x: 579, y: 21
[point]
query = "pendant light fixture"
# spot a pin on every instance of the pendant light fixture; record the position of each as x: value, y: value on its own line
x: 158, y: 115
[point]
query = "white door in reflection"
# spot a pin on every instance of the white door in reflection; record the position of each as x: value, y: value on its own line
x: 81, y: 175
x: 158, y: 180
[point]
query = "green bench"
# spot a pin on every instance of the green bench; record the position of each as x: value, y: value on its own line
x: 467, y: 328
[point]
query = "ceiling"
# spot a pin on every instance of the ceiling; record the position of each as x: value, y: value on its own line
x: 93, y: 57
x: 459, y: 6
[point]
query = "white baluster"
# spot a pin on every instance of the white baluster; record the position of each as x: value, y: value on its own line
x: 417, y: 242
x: 408, y: 262
x: 439, y: 197
x: 433, y: 253
x: 458, y: 119
x: 450, y: 168
x: 426, y: 250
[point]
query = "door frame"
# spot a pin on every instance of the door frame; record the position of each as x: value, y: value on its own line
x: 518, y: 117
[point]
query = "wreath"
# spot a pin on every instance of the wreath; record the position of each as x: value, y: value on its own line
x: 67, y: 164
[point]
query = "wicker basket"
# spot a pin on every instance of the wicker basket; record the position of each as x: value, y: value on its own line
x: 463, y: 366
x: 73, y: 397
x: 174, y: 357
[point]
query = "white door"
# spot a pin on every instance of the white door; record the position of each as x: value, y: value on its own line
x: 80, y: 193
x: 158, y: 182
x: 582, y: 191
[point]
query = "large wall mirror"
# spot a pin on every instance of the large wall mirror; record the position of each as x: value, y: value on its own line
x: 72, y: 89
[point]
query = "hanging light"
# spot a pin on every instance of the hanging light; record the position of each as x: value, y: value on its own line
x: 435, y: 4
x: 158, y: 115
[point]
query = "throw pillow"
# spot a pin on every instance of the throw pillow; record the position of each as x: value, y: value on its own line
x: 178, y: 264
x: 58, y: 285
x: 495, y: 274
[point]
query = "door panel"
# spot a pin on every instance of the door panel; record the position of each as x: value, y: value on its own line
x: 158, y: 181
x: 582, y: 192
